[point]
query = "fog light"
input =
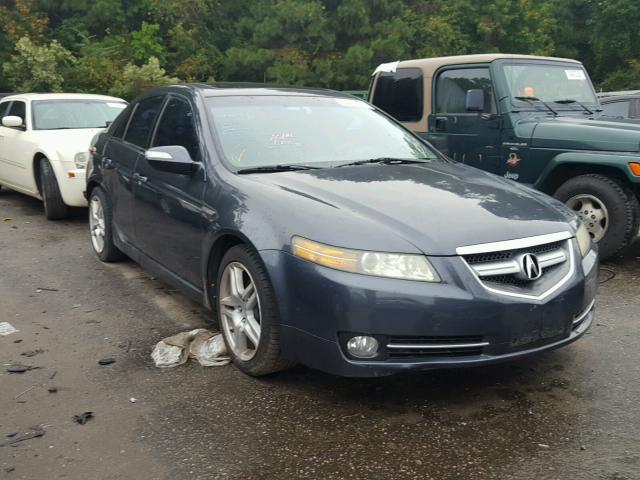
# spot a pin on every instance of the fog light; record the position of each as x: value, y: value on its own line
x: 363, y: 346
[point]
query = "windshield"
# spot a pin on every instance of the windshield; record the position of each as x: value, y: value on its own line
x: 63, y: 114
x: 261, y: 131
x: 549, y: 83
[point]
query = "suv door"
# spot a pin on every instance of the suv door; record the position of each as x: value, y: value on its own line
x: 14, y: 154
x: 466, y: 136
x: 128, y: 142
x: 168, y: 209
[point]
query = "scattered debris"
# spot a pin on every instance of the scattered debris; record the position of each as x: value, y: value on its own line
x: 206, y: 347
x: 7, y: 219
x: 17, y: 341
x: 543, y: 445
x: 32, y: 353
x: 133, y: 400
x: 107, y: 361
x: 9, y: 469
x: 17, y: 368
x: 34, y: 432
x: 11, y: 435
x: 82, y: 418
x: 53, y: 375
x: 22, y: 393
x: 46, y: 289
x: 52, y: 390
x: 7, y: 329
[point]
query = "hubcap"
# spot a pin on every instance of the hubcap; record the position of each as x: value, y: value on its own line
x: 96, y: 224
x: 593, y: 214
x: 239, y: 308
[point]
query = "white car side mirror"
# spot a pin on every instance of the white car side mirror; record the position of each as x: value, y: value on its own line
x: 11, y: 121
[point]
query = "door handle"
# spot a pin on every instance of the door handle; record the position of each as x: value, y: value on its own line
x: 139, y: 178
x: 441, y: 124
x: 107, y: 163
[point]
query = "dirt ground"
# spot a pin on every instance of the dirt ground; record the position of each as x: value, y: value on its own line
x: 569, y: 414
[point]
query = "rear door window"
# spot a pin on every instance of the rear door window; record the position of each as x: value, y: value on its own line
x: 142, y: 121
x: 121, y: 122
x: 176, y: 127
x: 452, y: 87
x: 401, y: 94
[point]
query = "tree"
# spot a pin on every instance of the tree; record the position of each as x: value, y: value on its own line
x: 135, y: 80
x: 37, y: 68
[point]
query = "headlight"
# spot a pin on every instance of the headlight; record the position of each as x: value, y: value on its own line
x: 81, y: 159
x: 392, y: 265
x: 584, y: 239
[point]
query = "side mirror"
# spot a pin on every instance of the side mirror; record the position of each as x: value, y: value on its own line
x: 474, y: 102
x: 12, y: 122
x: 171, y: 159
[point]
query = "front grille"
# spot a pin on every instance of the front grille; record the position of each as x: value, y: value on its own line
x: 509, y: 254
x: 504, y: 271
x: 445, y: 346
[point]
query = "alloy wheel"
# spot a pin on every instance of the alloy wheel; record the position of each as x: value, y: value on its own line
x: 593, y: 214
x: 239, y: 307
x: 97, y: 224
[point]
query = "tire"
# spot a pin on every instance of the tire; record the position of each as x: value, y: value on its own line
x: 54, y: 206
x: 617, y: 203
x: 100, y: 217
x: 264, y: 359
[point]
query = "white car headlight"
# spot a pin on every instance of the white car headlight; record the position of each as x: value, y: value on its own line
x: 81, y: 159
x: 379, y: 264
x: 584, y: 239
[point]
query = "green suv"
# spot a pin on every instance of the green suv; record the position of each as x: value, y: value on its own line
x: 535, y: 120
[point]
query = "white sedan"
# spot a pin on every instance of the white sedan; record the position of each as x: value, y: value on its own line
x: 44, y: 144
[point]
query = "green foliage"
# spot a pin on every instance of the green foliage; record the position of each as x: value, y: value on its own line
x: 37, y: 67
x: 326, y: 43
x: 135, y: 80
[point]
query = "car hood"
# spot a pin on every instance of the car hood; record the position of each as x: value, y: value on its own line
x: 600, y: 134
x: 436, y: 207
x: 66, y: 143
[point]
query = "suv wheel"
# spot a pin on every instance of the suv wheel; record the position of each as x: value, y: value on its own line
x: 100, y: 227
x: 247, y: 313
x: 609, y: 210
x: 54, y: 206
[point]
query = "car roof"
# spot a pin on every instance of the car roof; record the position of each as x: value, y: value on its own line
x: 616, y: 98
x: 430, y: 65
x: 62, y: 96
x: 225, y: 89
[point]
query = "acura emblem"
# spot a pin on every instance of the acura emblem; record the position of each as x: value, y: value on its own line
x: 531, y: 267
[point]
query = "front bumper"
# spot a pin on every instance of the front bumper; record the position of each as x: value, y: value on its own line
x: 321, y: 307
x: 72, y: 183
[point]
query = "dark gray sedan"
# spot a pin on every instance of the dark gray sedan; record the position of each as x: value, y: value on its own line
x: 322, y: 232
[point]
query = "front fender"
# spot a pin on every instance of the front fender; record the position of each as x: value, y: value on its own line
x: 596, y: 160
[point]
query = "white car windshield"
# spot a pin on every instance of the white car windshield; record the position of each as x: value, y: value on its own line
x: 72, y: 114
x: 565, y: 84
x: 263, y: 131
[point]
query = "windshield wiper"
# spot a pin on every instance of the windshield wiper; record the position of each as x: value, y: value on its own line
x: 386, y: 161
x: 536, y: 99
x: 568, y: 101
x: 276, y: 168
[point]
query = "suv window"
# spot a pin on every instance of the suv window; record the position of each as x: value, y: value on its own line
x: 18, y: 109
x: 401, y: 94
x: 3, y: 108
x: 616, y: 109
x: 142, y: 121
x: 452, y: 86
x: 176, y: 127
x: 121, y: 122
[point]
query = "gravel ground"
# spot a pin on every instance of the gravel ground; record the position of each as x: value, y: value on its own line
x: 568, y: 414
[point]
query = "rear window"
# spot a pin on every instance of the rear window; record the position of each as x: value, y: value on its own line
x: 401, y: 94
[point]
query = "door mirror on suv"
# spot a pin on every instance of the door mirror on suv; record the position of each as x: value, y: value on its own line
x: 172, y: 159
x: 12, y: 121
x: 474, y: 102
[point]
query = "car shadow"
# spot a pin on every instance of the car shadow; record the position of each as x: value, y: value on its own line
x: 32, y: 207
